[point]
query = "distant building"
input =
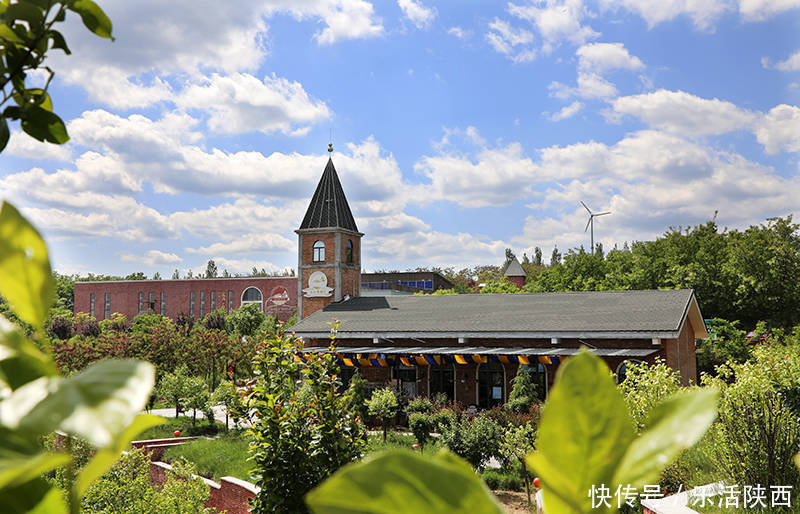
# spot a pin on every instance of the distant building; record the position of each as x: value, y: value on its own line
x: 515, y: 274
x: 410, y: 282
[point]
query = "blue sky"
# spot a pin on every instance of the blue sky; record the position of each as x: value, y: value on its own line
x: 459, y: 128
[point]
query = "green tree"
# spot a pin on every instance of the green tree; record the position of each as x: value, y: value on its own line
x: 383, y: 404
x: 174, y: 387
x: 645, y: 387
x: 245, y: 320
x: 211, y: 269
x: 156, y: 276
x: 358, y: 391
x: 516, y: 444
x: 176, y: 275
x: 499, y: 286
x: 197, y: 396
x: 555, y: 257
x: 523, y: 392
x: 139, y: 275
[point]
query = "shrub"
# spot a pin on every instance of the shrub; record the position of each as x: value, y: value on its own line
x: 383, y: 404
x: 173, y: 387
x: 85, y: 325
x: 645, y: 386
x: 523, y: 392
x: 516, y: 444
x: 676, y: 477
x: 185, y: 322
x: 507, y: 418
x: 476, y: 440
x: 358, y: 391
x: 117, y: 323
x: 215, y: 320
x: 502, y: 480
x: 296, y: 444
x: 421, y: 425
x: 440, y: 400
x: 61, y: 327
x: 726, y: 343
x: 419, y: 404
x: 444, y: 418
x: 145, y: 323
x: 757, y: 433
x: 245, y: 320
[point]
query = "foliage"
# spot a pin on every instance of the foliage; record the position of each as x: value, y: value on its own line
x: 211, y: 269
x: 646, y: 386
x: 383, y: 404
x: 225, y: 394
x: 147, y: 322
x: 85, y: 325
x: 126, y: 488
x: 757, y: 432
x: 166, y: 429
x: 197, y: 396
x: 503, y: 479
x: 474, y: 440
x: 215, y: 320
x: 245, y: 320
x: 174, y: 387
x: 516, y: 444
x: 676, y: 477
x: 419, y: 404
x: 499, y: 286
x: 508, y: 418
x: 586, y: 436
x: 444, y: 418
x: 523, y: 392
x: 296, y: 444
x: 725, y: 343
x: 421, y: 425
x: 99, y: 404
x: 358, y: 391
x: 61, y: 327
x: 117, y: 323
x: 215, y: 458
x: 401, y: 481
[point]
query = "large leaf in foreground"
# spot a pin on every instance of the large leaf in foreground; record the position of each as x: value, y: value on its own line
x: 676, y: 424
x: 25, y: 267
x: 401, y: 482
x: 584, y: 432
x: 96, y: 404
x: 20, y: 361
x: 34, y: 497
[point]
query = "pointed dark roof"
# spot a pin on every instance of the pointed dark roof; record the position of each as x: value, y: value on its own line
x: 328, y: 208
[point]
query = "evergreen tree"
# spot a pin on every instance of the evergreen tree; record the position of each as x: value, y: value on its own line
x: 537, y: 257
x: 157, y: 276
x: 525, y: 260
x: 211, y: 269
x: 176, y: 275
x: 555, y: 257
x: 523, y: 392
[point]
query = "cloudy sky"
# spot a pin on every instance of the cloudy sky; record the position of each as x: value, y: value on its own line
x: 460, y: 128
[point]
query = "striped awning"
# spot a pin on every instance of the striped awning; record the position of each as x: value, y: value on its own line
x: 386, y: 356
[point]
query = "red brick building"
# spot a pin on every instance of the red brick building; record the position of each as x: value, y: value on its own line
x: 195, y: 297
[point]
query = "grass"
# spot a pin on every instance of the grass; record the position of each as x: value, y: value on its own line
x: 184, y: 424
x: 395, y: 440
x: 216, y: 458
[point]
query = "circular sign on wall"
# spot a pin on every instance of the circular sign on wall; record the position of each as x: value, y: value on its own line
x: 317, y: 285
x: 279, y: 296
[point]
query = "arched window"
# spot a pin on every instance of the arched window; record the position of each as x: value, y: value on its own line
x: 622, y: 369
x: 491, y: 385
x: 441, y: 379
x: 252, y: 295
x: 349, y: 251
x: 319, y: 252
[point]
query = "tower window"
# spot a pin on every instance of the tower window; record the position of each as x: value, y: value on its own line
x: 319, y: 252
x: 349, y: 252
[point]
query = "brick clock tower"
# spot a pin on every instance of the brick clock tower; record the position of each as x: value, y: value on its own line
x: 328, y: 246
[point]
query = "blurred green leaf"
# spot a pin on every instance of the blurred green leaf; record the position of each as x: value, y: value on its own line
x: 676, y: 424
x: 96, y: 404
x: 34, y: 497
x: 27, y: 282
x: 584, y: 432
x: 5, y: 134
x: 105, y: 458
x: 17, y: 467
x: 20, y: 360
x: 44, y: 125
x: 9, y: 35
x: 25, y: 11
x: 59, y: 41
x: 93, y: 17
x: 39, y: 97
x: 403, y: 482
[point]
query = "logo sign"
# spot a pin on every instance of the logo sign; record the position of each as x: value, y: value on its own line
x: 317, y: 285
x: 279, y: 296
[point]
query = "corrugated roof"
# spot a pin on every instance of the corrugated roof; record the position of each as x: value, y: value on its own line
x: 328, y: 207
x: 514, y: 269
x: 498, y: 315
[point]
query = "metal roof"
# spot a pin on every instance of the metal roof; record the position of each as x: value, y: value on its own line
x: 481, y: 350
x: 514, y: 269
x: 328, y: 207
x: 587, y: 314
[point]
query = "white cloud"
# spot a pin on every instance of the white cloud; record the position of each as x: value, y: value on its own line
x: 512, y: 42
x: 602, y: 57
x: 240, y: 103
x: 458, y: 32
x: 556, y: 21
x: 566, y: 112
x: 703, y: 13
x: 590, y: 85
x: 432, y: 248
x: 415, y: 11
x: 22, y: 145
x: 111, y: 86
x: 248, y: 245
x: 759, y: 10
x: 792, y: 63
x: 684, y: 113
x: 779, y: 129
x: 152, y: 258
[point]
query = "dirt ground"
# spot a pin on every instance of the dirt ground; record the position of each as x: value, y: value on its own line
x: 513, y: 502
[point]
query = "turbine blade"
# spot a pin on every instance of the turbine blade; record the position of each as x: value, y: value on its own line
x: 588, y: 223
x: 584, y: 206
x: 603, y: 213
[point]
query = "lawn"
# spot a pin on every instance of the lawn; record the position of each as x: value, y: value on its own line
x: 184, y: 424
x: 216, y: 458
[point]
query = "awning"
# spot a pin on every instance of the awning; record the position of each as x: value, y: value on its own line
x: 426, y: 355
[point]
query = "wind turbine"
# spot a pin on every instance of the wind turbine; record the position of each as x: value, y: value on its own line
x: 589, y: 223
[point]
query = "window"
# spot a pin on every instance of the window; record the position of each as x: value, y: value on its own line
x: 349, y: 252
x: 202, y: 303
x: 107, y: 308
x: 213, y: 301
x: 151, y: 300
x: 491, y: 385
x: 191, y: 303
x: 91, y: 304
x: 622, y: 369
x: 319, y: 252
x: 252, y: 295
x: 141, y: 302
x: 441, y: 381
x: 163, y: 303
x: 538, y: 377
x: 230, y: 300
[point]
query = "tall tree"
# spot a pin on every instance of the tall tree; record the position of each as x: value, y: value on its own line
x: 156, y: 276
x: 537, y: 257
x: 555, y: 257
x: 211, y: 269
x: 176, y: 275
